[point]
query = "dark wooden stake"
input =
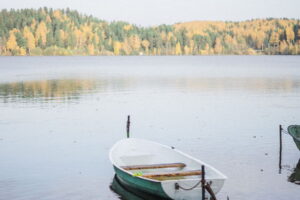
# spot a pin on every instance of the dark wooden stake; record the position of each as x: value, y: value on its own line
x: 128, y: 126
x: 280, y: 147
x: 211, y: 192
x: 203, y: 181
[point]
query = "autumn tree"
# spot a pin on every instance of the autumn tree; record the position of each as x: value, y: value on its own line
x: 283, y: 47
x: 145, y: 44
x: 117, y: 47
x: 30, y: 40
x: 259, y: 40
x: 11, y: 43
x: 91, y: 49
x: 178, y: 49
x: 290, y: 35
x: 41, y: 34
x: 218, y: 46
x: 274, y: 39
x: 135, y: 42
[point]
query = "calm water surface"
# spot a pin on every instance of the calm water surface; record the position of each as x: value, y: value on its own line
x: 60, y: 115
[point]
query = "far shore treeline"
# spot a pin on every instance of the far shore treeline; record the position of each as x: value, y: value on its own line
x: 46, y: 31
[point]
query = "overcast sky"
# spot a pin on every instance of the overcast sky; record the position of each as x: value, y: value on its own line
x: 153, y: 12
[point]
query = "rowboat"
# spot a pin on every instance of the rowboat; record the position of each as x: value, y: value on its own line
x: 294, y: 131
x: 161, y: 170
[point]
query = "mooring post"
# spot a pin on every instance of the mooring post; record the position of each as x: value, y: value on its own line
x: 128, y: 126
x: 203, y: 181
x: 280, y: 147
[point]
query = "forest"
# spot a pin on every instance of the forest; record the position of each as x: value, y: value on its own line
x: 46, y: 31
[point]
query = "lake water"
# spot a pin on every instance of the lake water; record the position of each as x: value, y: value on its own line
x: 59, y: 116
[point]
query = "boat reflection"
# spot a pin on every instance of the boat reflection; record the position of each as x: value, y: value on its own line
x: 130, y: 193
x: 295, y: 176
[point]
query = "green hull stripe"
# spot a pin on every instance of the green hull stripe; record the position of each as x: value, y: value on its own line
x: 151, y: 187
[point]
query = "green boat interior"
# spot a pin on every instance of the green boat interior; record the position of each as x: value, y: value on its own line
x: 294, y: 130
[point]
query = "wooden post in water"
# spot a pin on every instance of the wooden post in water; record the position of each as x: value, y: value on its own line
x: 210, y: 191
x: 203, y: 181
x: 280, y: 148
x: 128, y: 126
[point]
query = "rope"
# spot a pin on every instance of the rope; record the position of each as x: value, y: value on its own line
x: 177, y: 184
x: 206, y: 186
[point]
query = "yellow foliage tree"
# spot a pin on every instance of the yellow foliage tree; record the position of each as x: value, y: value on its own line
x: 33, y: 24
x: 192, y: 47
x: 283, y: 47
x: 218, y: 46
x: 178, y: 49
x: 48, y: 19
x: 96, y: 39
x: 163, y: 36
x: 22, y: 52
x: 63, y: 35
x: 91, y: 49
x: 117, y: 47
x: 274, y: 39
x: 11, y: 43
x: 259, y: 40
x: 154, y: 52
x: 228, y: 39
x: 170, y: 35
x: 127, y: 27
x: 250, y: 51
x: 126, y: 47
x: 14, y: 30
x: 79, y: 38
x: 57, y: 14
x: 41, y: 33
x: 135, y: 42
x: 187, y: 50
x: 30, y: 44
x: 290, y: 35
x: 290, y: 48
x: 146, y: 44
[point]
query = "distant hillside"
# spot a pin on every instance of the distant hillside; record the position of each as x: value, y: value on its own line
x: 66, y: 32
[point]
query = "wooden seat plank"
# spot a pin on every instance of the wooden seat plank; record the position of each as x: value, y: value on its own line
x: 172, y: 174
x: 153, y: 166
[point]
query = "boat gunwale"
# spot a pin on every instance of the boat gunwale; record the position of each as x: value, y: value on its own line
x: 221, y: 175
